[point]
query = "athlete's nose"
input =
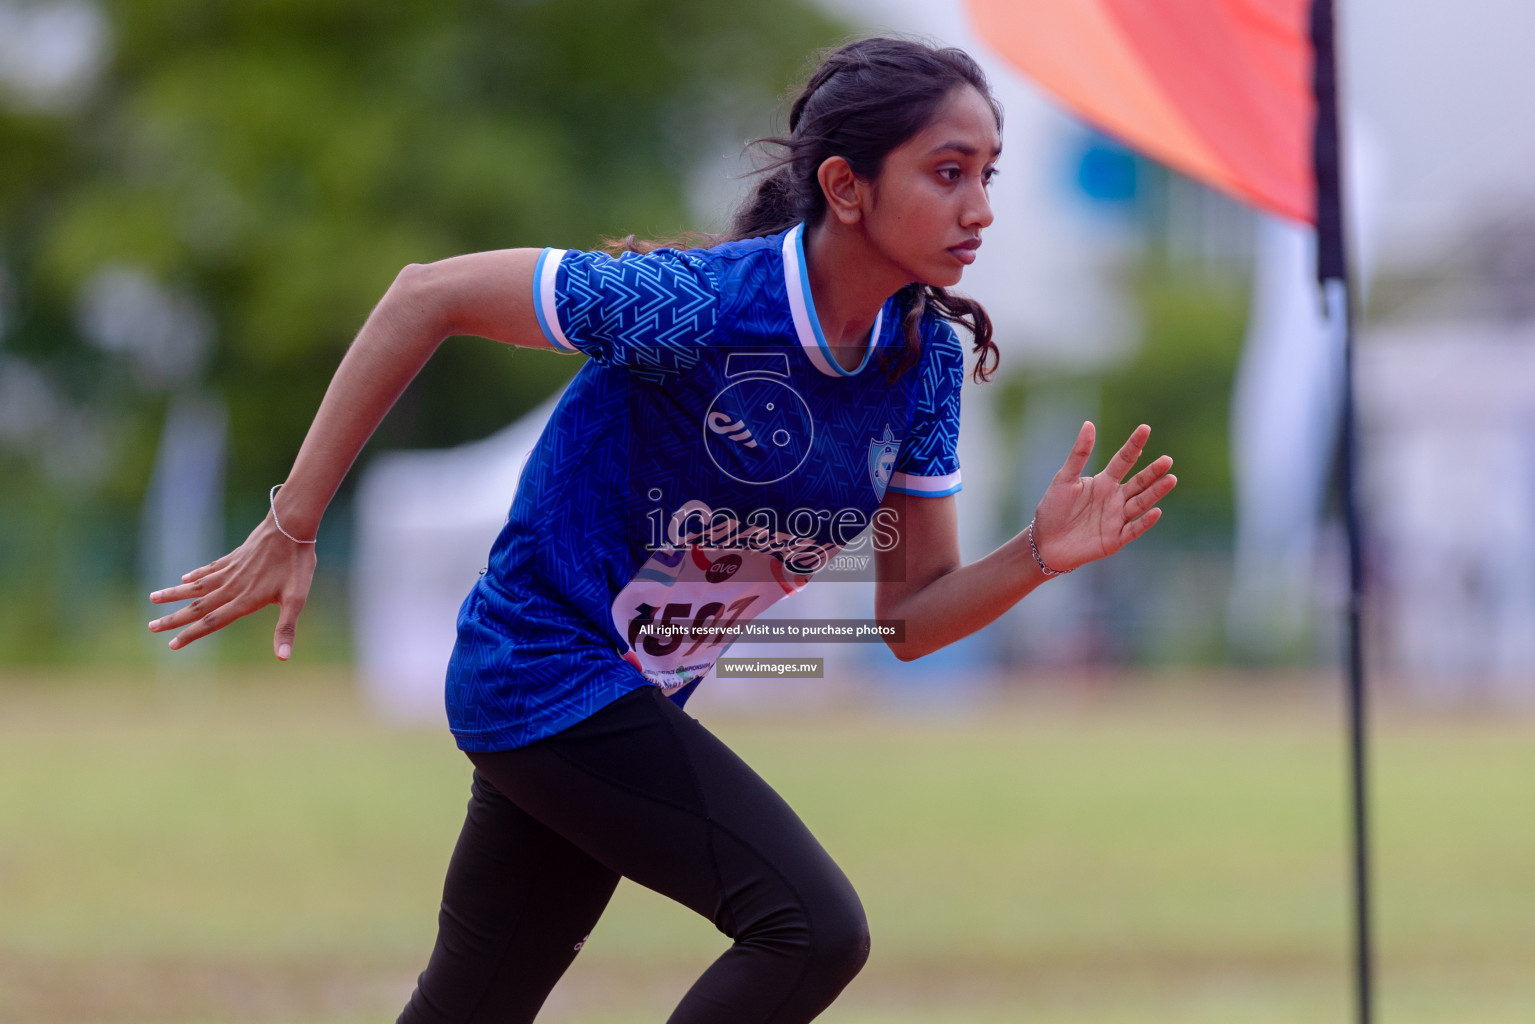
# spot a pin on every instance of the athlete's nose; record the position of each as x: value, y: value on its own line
x: 978, y: 209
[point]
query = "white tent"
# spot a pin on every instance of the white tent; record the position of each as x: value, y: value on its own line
x: 425, y: 523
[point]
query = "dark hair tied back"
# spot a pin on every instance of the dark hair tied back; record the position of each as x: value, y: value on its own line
x: 865, y: 99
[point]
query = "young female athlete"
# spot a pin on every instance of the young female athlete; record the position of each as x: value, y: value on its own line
x: 746, y: 411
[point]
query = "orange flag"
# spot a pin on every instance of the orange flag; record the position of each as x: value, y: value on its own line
x: 1218, y: 89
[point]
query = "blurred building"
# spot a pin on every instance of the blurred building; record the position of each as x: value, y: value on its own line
x: 1447, y: 406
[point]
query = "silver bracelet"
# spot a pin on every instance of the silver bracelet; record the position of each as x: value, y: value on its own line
x: 1041, y: 562
x: 272, y: 500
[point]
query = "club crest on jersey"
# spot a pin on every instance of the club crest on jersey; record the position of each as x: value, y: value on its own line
x: 882, y: 452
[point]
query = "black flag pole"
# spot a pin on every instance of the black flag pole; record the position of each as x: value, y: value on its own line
x: 1333, y: 277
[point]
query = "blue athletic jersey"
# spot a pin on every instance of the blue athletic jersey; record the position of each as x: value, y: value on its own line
x: 706, y: 461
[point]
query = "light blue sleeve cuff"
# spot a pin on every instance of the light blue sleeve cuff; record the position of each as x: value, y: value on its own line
x: 924, y: 486
x: 545, y: 272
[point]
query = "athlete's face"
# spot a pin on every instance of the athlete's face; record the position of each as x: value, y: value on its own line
x: 930, y: 201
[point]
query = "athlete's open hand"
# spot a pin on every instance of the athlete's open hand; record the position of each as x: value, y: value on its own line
x: 1083, y: 518
x: 267, y: 569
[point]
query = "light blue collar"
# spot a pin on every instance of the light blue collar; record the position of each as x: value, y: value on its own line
x: 802, y: 307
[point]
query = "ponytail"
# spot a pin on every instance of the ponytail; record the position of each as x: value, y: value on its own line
x: 771, y: 208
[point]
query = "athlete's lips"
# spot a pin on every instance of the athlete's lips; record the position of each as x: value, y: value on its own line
x: 965, y: 251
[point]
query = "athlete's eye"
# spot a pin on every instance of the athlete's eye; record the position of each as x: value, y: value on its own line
x: 988, y: 174
x: 950, y: 174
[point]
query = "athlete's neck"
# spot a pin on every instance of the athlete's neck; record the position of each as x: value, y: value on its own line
x: 849, y: 282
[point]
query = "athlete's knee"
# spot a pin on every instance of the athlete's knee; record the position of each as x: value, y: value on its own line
x: 829, y: 935
x: 827, y: 931
x: 839, y: 939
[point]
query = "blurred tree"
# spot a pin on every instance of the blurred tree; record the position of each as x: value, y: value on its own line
x: 1179, y: 380
x: 256, y: 172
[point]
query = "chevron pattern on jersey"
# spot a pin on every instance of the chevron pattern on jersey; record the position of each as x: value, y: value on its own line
x: 629, y: 444
x: 933, y: 448
x: 650, y: 313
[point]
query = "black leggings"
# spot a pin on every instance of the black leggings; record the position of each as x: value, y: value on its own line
x: 639, y: 790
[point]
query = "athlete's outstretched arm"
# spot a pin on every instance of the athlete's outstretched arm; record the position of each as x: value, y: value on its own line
x: 489, y: 294
x: 1080, y: 519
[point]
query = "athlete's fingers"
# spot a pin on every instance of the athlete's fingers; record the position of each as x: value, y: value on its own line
x: 1148, y: 476
x: 1135, y: 527
x: 197, y: 588
x: 1080, y: 451
x: 287, y: 627
x: 1142, y: 502
x: 181, y: 616
x: 1128, y: 454
x: 211, y: 567
x: 216, y: 619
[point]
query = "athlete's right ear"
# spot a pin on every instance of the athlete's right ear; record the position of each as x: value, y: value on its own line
x: 843, y: 189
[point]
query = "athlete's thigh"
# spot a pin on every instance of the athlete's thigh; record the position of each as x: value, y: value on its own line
x: 647, y: 791
x: 518, y: 902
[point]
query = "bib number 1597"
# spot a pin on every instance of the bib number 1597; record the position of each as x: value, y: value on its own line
x: 659, y: 642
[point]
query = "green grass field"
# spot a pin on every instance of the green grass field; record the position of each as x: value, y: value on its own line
x: 1172, y: 850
